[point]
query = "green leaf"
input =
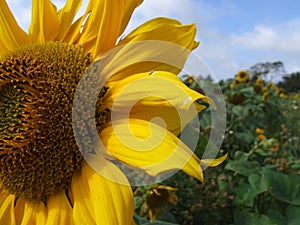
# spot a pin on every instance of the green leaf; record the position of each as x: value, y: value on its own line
x: 247, y: 90
x: 258, y: 183
x: 293, y: 215
x: 138, y: 201
x: 244, y: 195
x: 202, y: 145
x: 143, y: 221
x: 238, y: 111
x: 242, y: 167
x: 190, y: 136
x: 284, y: 187
x: 239, y: 155
x: 246, y: 137
x: 167, y: 216
x: 194, y: 140
x: 277, y: 217
x: 263, y: 152
x: 295, y: 166
x: 248, y: 218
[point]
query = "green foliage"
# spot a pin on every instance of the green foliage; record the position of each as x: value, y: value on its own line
x: 247, y: 218
x: 143, y: 221
x: 284, y: 187
x: 290, y: 83
x: 259, y: 183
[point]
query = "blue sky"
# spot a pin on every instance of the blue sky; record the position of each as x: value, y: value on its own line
x: 234, y: 34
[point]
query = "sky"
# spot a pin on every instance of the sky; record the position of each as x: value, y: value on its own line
x: 233, y: 34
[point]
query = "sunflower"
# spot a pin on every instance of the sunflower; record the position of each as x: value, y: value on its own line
x: 242, y: 76
x: 259, y: 81
x: 44, y: 178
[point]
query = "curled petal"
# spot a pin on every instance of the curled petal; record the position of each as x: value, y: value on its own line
x: 149, y: 147
x: 161, y: 95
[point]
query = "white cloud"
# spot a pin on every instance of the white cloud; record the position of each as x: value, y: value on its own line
x: 279, y: 42
x: 282, y: 37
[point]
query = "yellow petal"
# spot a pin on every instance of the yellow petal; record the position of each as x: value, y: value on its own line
x: 93, y: 27
x: 160, y: 95
x: 19, y: 210
x: 30, y: 213
x: 159, y: 44
x: 11, y: 35
x: 130, y: 5
x: 73, y: 33
x: 3, y: 48
x: 133, y: 222
x: 149, y: 147
x: 162, y: 87
x: 6, y: 208
x: 44, y: 21
x: 163, y: 46
x: 59, y: 210
x: 66, y: 16
x: 149, y: 30
x: 100, y: 201
x: 175, y: 119
x: 213, y: 162
x: 103, y: 25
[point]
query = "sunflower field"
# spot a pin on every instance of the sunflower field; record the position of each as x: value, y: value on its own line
x: 259, y: 183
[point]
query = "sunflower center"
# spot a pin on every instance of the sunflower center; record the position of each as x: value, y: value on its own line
x: 38, y: 151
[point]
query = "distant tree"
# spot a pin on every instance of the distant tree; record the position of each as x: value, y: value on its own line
x: 269, y: 70
x: 290, y: 83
